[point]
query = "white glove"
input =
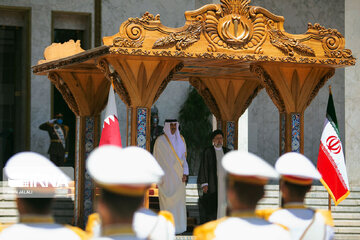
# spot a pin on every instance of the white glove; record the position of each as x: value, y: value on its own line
x: 52, y: 120
x: 66, y: 155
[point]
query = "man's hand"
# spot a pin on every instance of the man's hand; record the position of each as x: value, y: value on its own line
x: 205, y: 188
x: 184, y: 178
x: 52, y: 120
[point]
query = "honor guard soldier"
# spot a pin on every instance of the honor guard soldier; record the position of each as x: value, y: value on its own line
x: 146, y: 224
x: 297, y: 174
x: 36, y: 178
x: 124, y: 175
x: 246, y: 176
x: 58, y: 133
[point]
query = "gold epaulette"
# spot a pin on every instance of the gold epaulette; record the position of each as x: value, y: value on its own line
x: 207, y: 230
x: 265, y: 213
x: 93, y: 219
x: 81, y: 233
x: 168, y: 216
x: 327, y: 216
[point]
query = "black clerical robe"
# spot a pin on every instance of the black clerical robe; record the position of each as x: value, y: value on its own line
x: 208, y: 174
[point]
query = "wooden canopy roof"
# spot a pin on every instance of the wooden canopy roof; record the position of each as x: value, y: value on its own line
x: 228, y: 51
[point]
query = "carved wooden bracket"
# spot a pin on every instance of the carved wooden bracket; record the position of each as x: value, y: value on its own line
x: 269, y: 85
x: 206, y: 95
x: 294, y: 88
x: 114, y: 78
x: 319, y: 85
x: 65, y: 92
x: 227, y: 99
x: 167, y: 80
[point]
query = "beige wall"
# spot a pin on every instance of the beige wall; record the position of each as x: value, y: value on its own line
x: 352, y: 93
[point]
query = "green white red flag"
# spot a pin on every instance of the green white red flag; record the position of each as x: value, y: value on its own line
x: 331, y: 161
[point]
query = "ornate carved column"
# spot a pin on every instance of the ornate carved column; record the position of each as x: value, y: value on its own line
x: 84, y: 94
x: 139, y: 83
x: 87, y: 129
x: 230, y: 130
x: 292, y: 90
x: 227, y: 99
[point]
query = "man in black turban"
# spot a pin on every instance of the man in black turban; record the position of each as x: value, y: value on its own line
x: 211, y: 178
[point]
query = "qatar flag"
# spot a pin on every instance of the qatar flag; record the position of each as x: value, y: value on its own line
x: 331, y: 161
x: 110, y: 134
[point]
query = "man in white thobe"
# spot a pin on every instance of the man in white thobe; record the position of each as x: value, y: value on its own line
x: 170, y: 152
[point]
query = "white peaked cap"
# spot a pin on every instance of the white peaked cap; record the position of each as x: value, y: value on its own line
x: 31, y: 166
x: 298, y: 166
x: 111, y: 165
x: 245, y: 164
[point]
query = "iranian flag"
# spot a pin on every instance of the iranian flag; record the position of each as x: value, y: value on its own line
x: 110, y: 134
x: 331, y: 161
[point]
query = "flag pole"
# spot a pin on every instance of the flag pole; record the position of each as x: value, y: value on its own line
x: 329, y: 197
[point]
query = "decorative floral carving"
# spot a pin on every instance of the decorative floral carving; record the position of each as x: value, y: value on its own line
x: 123, y: 42
x: 119, y: 87
x: 139, y: 52
x: 120, y: 51
x: 162, y: 53
x: 270, y: 86
x: 287, y: 44
x: 225, y: 56
x: 146, y: 18
x: 65, y: 92
x: 235, y: 27
x: 288, y: 59
x: 266, y: 58
x: 333, y: 41
x: 327, y: 61
x: 246, y: 58
x: 242, y: 58
x: 205, y: 55
x: 182, y: 54
x: 307, y: 60
x: 347, y: 62
x: 181, y: 39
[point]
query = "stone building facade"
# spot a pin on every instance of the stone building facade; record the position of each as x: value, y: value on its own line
x: 98, y: 18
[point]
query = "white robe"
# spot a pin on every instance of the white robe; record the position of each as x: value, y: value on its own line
x: 172, y: 195
x: 221, y: 175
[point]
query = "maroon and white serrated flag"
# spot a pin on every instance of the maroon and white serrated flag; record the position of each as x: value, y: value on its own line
x: 110, y: 134
x: 331, y: 161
